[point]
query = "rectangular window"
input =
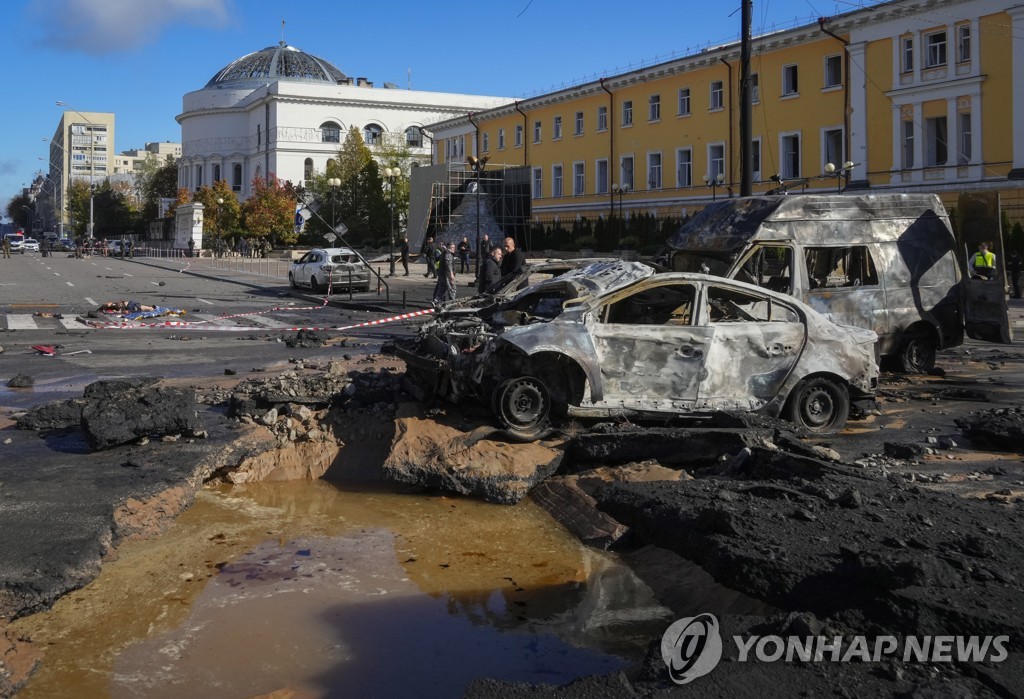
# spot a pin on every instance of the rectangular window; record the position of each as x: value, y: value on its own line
x: 717, y: 98
x: 538, y: 183
x: 486, y: 141
x: 936, y: 141
x: 964, y: 157
x: 501, y: 139
x: 791, y: 156
x: 519, y: 135
x: 654, y: 171
x: 579, y: 179
x: 556, y: 128
x: 963, y: 43
x: 833, y: 71
x: 199, y: 177
x: 684, y: 101
x: 755, y: 88
x: 716, y: 161
x: 602, y: 118
x: 236, y: 177
x: 828, y: 268
x: 216, y: 173
x: 536, y: 132
x: 833, y: 147
x: 684, y: 167
x: 790, y: 84
x: 908, y: 144
x: 579, y: 124
x: 654, y: 108
x: 935, y: 50
x: 627, y: 172
x: 602, y: 176
x: 627, y: 113
x: 556, y: 180
x: 755, y: 159
x: 907, y: 55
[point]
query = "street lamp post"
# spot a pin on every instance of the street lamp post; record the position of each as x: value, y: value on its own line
x: 621, y: 191
x: 334, y: 183
x: 840, y: 174
x: 392, y: 173
x: 29, y: 211
x: 92, y: 163
x: 477, y: 164
x: 714, y: 182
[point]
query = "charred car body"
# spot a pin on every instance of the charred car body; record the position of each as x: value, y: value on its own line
x: 886, y: 262
x: 618, y: 339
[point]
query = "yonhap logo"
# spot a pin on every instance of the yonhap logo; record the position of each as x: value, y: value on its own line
x: 691, y: 647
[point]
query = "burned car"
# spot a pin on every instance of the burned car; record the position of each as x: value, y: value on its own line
x: 617, y: 339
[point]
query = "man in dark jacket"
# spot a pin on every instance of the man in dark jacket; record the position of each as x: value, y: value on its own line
x: 429, y: 253
x: 444, y: 290
x: 464, y: 250
x: 514, y: 259
x: 490, y: 271
x: 404, y: 252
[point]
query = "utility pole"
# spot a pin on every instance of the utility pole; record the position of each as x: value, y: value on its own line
x: 746, y: 108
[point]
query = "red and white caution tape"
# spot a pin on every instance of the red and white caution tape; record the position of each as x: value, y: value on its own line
x: 99, y: 325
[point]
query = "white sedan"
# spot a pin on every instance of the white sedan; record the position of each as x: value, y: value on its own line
x: 329, y: 269
x: 31, y: 244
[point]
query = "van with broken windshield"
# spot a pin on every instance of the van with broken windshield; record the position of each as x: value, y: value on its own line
x: 886, y: 262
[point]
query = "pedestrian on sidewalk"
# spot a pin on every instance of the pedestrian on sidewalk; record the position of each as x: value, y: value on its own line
x: 429, y: 253
x: 404, y: 252
x: 444, y: 290
x: 490, y: 272
x: 464, y: 248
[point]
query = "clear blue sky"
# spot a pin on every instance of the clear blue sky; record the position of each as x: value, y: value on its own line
x: 137, y: 58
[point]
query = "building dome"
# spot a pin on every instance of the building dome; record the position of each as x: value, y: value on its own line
x: 281, y: 62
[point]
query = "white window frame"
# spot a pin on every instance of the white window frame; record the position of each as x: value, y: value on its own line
x: 579, y: 124
x: 756, y: 158
x: 579, y: 178
x: 654, y: 108
x: 556, y: 128
x: 716, y: 100
x: 755, y: 88
x: 519, y: 136
x: 784, y: 136
x: 907, y: 136
x: 602, y: 119
x: 655, y: 171
x: 963, y: 43
x: 537, y: 183
x: 964, y: 127
x: 826, y: 131
x: 623, y: 179
x: 716, y: 159
x: 538, y: 130
x: 486, y: 142
x: 932, y: 141
x: 790, y: 80
x: 833, y: 60
x: 683, y: 102
x: 501, y: 139
x: 627, y: 112
x: 684, y: 167
x: 936, y: 54
x: 601, y: 176
x: 557, y: 181
x: 907, y: 54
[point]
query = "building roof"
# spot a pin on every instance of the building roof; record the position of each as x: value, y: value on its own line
x: 281, y: 62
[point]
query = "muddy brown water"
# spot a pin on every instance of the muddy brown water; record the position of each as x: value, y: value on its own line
x: 316, y: 589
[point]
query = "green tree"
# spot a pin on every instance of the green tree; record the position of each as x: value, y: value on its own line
x: 115, y: 210
x: 397, y: 154
x: 361, y: 205
x: 78, y: 206
x: 269, y: 214
x: 16, y: 213
x: 157, y: 181
x: 221, y: 218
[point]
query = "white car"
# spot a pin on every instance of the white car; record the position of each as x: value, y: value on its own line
x: 323, y: 269
x: 31, y: 244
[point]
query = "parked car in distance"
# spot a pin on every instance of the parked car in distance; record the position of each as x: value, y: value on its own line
x: 64, y: 245
x: 17, y: 241
x: 30, y: 244
x: 323, y: 269
x: 617, y: 339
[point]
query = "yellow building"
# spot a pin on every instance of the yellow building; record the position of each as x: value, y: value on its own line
x: 917, y: 95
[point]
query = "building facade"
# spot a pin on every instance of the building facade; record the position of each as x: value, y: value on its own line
x: 81, y: 148
x: 285, y: 112
x: 907, y: 95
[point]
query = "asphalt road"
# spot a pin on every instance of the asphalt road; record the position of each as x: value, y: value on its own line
x: 240, y: 321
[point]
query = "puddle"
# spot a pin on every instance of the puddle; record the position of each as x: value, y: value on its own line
x: 319, y: 590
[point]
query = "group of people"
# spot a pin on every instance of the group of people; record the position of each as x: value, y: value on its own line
x: 495, y: 262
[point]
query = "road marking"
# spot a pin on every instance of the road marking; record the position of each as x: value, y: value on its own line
x: 21, y: 321
x: 267, y: 322
x: 91, y: 302
x: 70, y: 324
x: 56, y: 274
x: 69, y: 283
x: 206, y: 302
x: 128, y: 275
x: 155, y: 283
x: 213, y: 320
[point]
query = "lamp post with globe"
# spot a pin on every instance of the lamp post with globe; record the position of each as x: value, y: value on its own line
x: 392, y: 174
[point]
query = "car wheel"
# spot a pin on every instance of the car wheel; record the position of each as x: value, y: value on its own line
x: 314, y: 285
x: 917, y: 354
x: 291, y: 281
x: 819, y: 405
x: 523, y: 406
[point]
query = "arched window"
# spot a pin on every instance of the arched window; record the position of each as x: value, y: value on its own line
x: 330, y: 132
x: 307, y: 169
x: 372, y: 134
x: 413, y: 137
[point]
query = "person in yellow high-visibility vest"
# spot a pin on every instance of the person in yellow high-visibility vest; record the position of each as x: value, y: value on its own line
x: 983, y: 263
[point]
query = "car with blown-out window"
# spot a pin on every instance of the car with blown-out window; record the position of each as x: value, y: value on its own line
x: 618, y: 339
x: 329, y: 269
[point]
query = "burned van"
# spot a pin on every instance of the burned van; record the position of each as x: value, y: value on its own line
x: 886, y: 262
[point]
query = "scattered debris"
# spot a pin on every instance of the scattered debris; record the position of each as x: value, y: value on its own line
x: 21, y: 381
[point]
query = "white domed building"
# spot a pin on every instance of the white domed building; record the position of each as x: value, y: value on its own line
x: 283, y: 111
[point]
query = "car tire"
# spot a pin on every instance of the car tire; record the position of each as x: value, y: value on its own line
x: 819, y: 405
x: 314, y: 285
x: 523, y: 406
x: 917, y: 354
x: 291, y: 281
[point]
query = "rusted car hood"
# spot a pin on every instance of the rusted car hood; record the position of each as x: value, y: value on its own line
x: 597, y: 279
